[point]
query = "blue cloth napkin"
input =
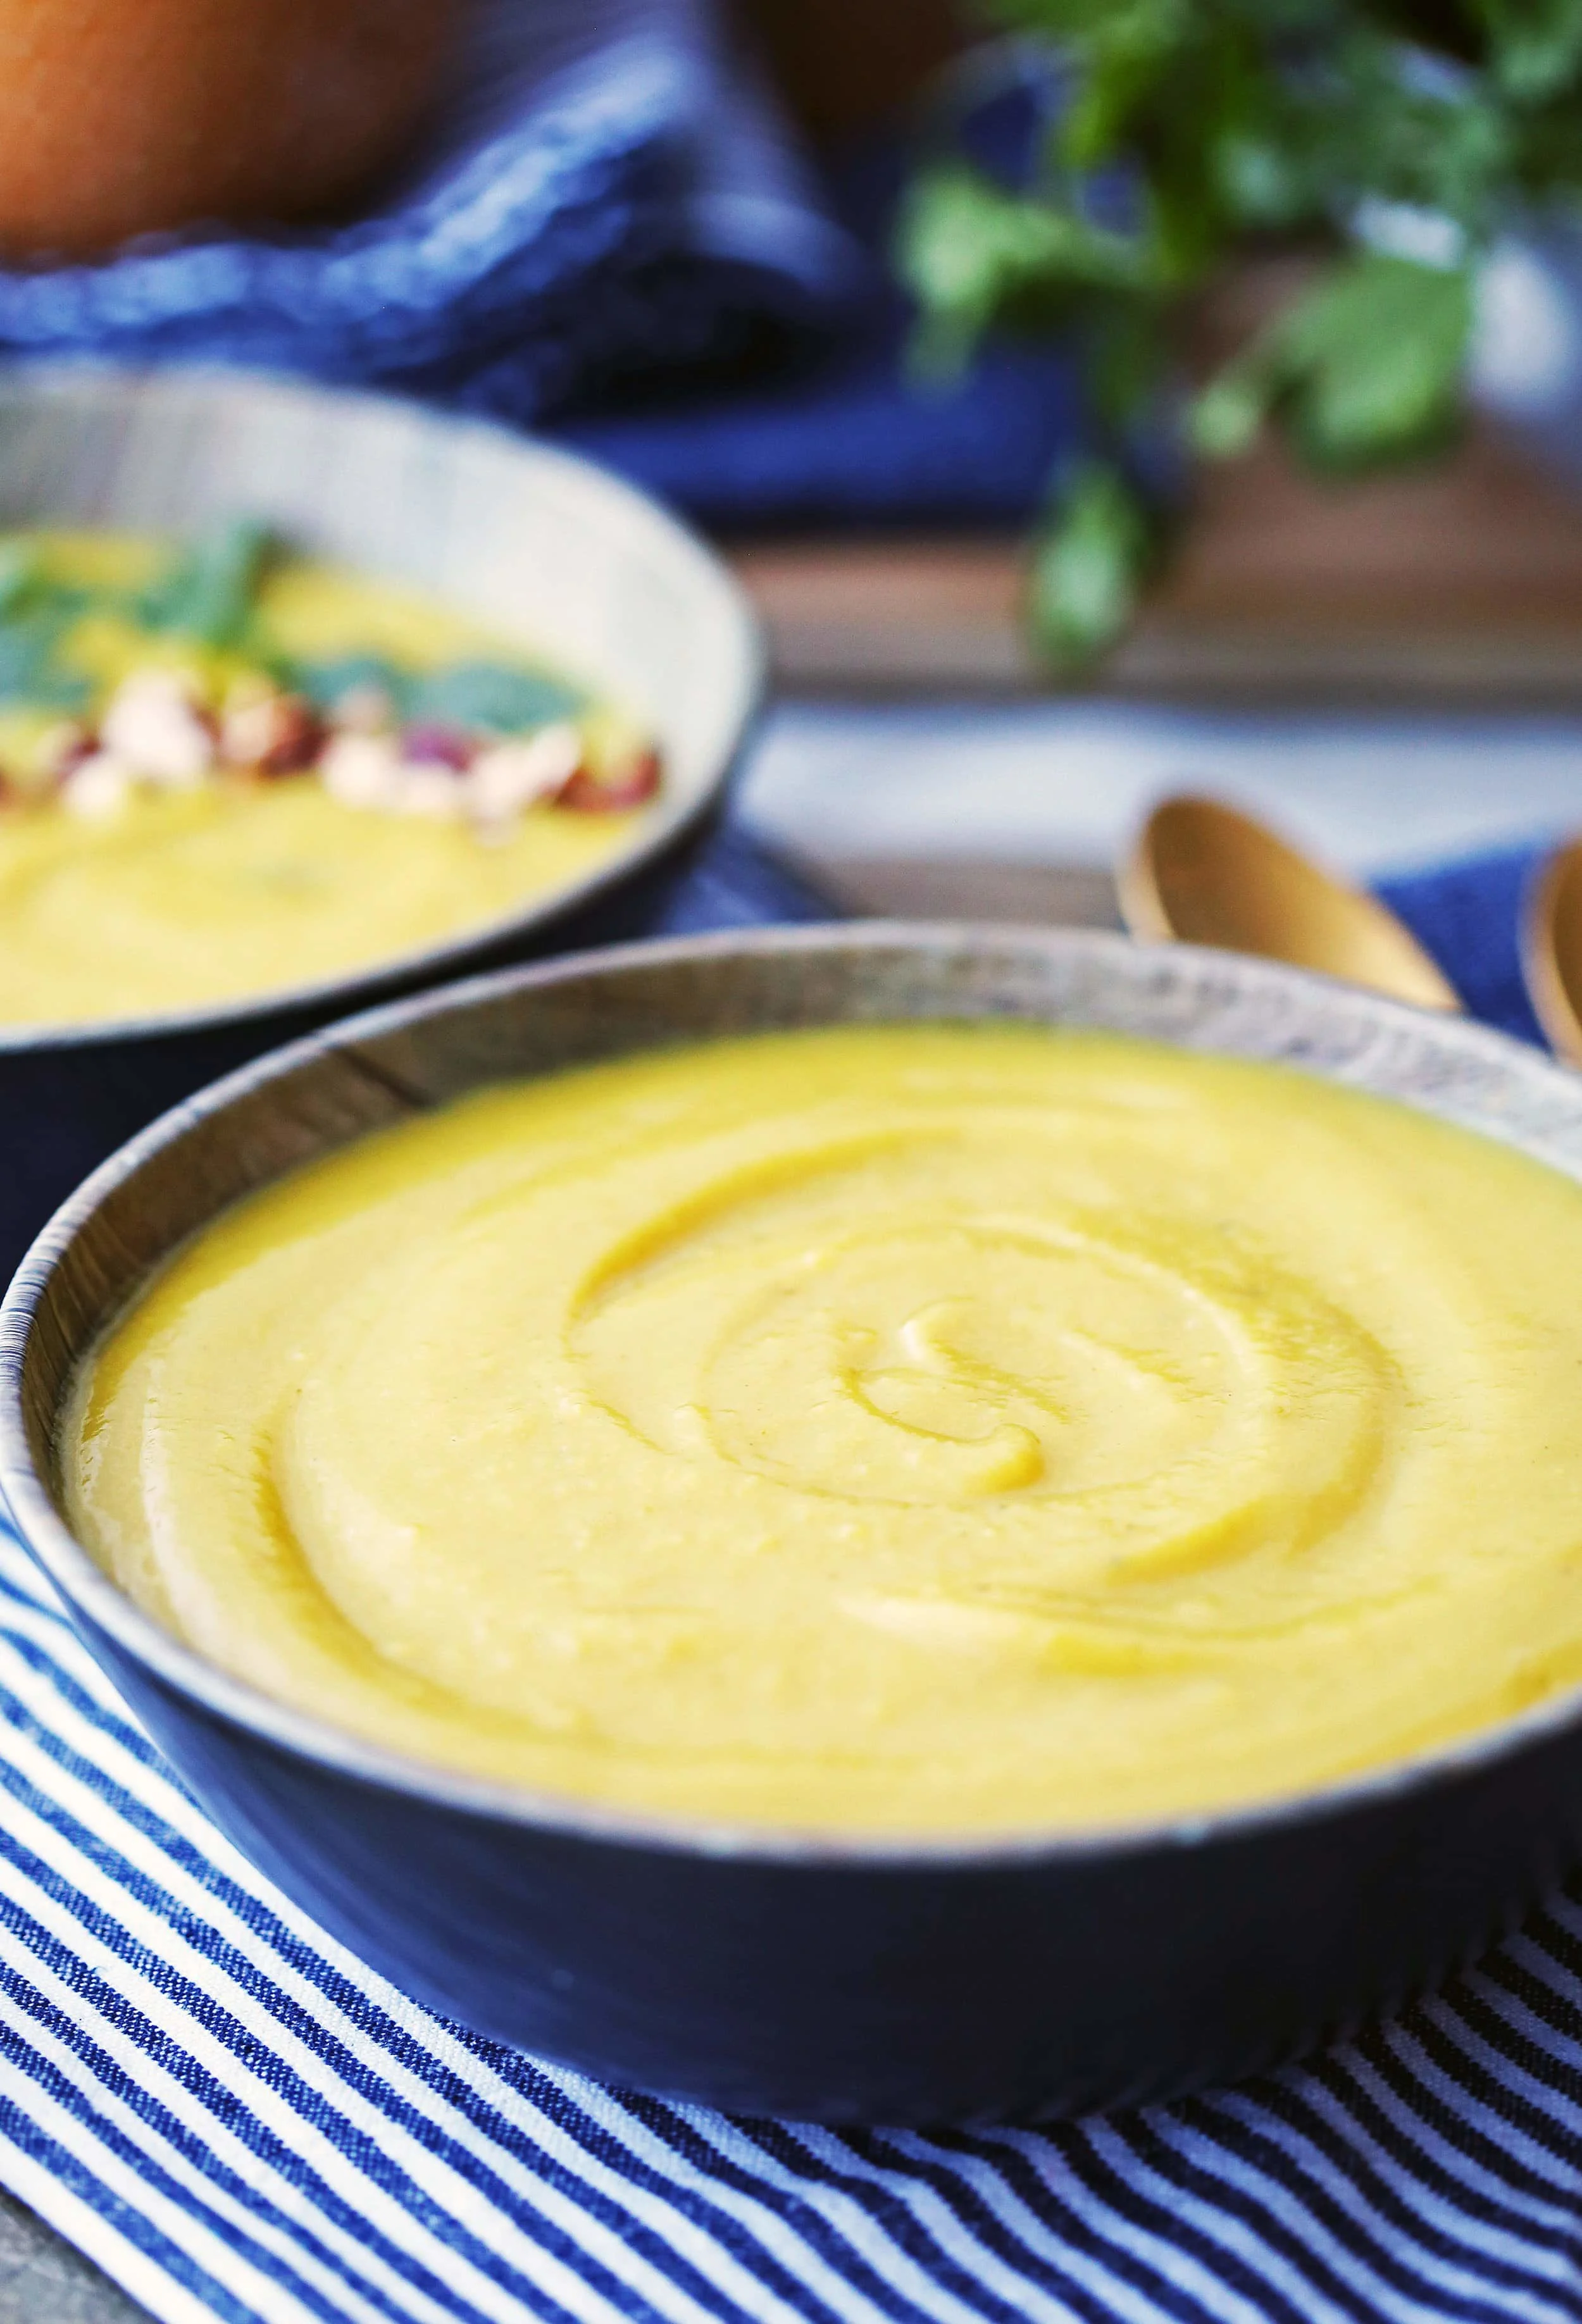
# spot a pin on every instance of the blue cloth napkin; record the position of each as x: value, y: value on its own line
x: 852, y: 435
x: 239, y: 2121
x: 604, y: 188
x: 609, y: 232
x: 847, y: 435
x: 1469, y: 915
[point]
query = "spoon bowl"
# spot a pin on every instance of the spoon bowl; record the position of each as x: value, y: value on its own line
x: 1551, y: 951
x: 1201, y: 873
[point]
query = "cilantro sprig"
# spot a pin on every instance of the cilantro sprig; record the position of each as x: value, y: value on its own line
x: 1393, y: 139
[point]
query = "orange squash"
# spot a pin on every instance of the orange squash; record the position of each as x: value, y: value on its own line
x: 121, y: 117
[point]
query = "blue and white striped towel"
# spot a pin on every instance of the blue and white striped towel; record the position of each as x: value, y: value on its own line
x: 238, y: 2120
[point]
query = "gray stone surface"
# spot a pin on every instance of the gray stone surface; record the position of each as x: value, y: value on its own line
x: 43, y: 2280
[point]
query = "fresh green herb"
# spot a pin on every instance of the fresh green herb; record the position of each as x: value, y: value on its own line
x: 1100, y: 545
x: 208, y: 590
x: 327, y: 683
x: 481, y: 697
x: 19, y: 576
x: 36, y: 611
x: 492, y: 696
x: 29, y: 671
x: 1367, y: 367
x: 1392, y: 140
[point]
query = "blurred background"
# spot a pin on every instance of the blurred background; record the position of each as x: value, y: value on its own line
x: 688, y: 237
x: 1391, y: 665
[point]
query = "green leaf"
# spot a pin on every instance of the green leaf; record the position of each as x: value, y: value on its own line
x: 1535, y: 46
x: 1129, y: 53
x: 1366, y: 367
x: 1089, y: 569
x: 327, y: 682
x: 1126, y: 354
x: 1330, y: 123
x: 19, y: 575
x: 970, y: 251
x: 208, y: 591
x: 1262, y: 180
x: 1224, y: 420
x: 496, y: 696
x: 1372, y: 358
x: 499, y: 697
x: 29, y: 670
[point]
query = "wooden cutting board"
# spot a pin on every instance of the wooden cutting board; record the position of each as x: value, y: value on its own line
x: 1459, y: 583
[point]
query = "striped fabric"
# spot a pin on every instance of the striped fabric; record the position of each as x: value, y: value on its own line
x: 237, y: 2120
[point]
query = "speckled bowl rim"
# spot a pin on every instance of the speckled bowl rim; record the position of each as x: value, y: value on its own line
x: 1555, y: 1094
x: 665, y: 825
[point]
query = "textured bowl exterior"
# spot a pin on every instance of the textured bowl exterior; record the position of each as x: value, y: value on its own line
x: 524, y: 538
x: 842, y: 1979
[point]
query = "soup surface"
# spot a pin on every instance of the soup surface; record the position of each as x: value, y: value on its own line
x: 927, y: 1429
x: 226, y: 771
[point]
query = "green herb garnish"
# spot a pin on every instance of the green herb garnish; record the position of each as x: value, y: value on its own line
x: 208, y: 591
x: 326, y: 683
x: 35, y: 613
x: 19, y: 576
x: 29, y: 672
x: 492, y: 697
x: 1392, y: 141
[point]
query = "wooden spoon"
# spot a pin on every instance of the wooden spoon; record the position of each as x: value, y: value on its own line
x: 1199, y: 873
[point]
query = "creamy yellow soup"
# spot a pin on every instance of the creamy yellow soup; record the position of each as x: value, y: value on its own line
x: 908, y: 1429
x: 190, y: 900
x: 183, y: 893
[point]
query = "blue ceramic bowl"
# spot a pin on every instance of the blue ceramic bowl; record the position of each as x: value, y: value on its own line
x: 525, y: 538
x: 900, y: 1981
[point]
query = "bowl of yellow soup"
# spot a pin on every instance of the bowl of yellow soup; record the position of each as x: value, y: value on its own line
x: 305, y: 696
x: 877, y: 1523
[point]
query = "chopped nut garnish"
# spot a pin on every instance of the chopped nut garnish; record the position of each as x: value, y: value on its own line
x: 267, y: 732
x: 427, y: 789
x: 188, y: 677
x: 159, y: 732
x: 362, y: 770
x: 508, y: 777
x: 612, y: 794
x: 99, y: 786
x: 155, y: 726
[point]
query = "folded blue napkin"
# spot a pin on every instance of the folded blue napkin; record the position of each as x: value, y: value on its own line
x: 604, y: 188
x: 238, y: 2120
x: 608, y: 231
x: 1469, y: 915
x: 846, y: 433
